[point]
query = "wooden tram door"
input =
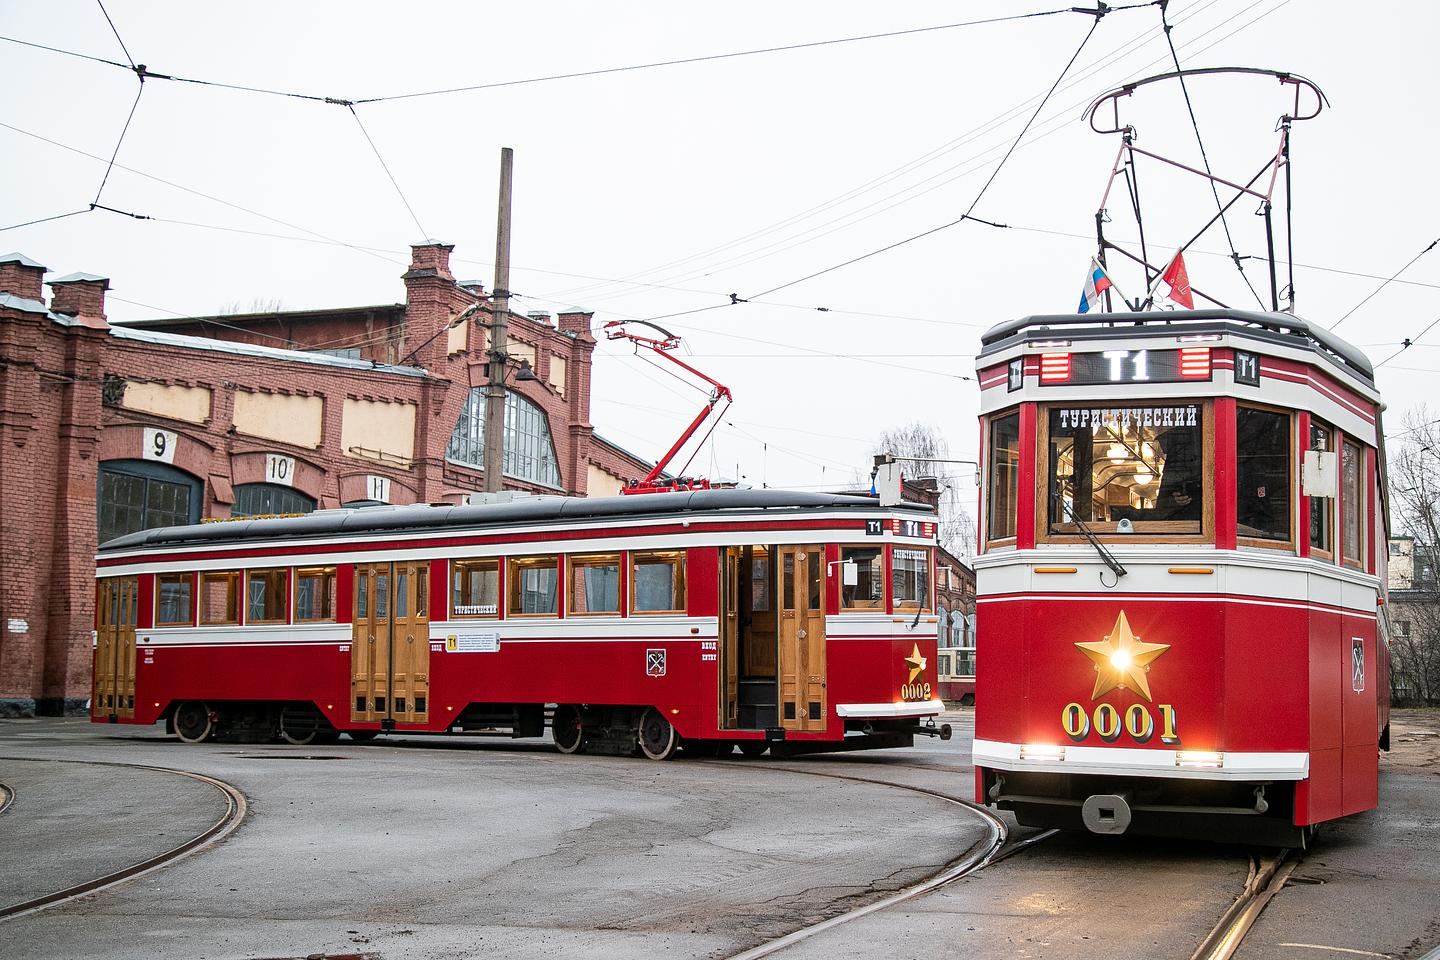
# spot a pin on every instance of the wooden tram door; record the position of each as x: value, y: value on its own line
x: 390, y: 646
x: 730, y: 637
x: 802, y: 637
x: 113, y: 696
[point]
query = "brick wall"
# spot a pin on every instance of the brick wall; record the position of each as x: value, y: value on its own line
x: 65, y: 373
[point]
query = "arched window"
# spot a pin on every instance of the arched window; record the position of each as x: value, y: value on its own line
x: 137, y: 495
x: 943, y: 626
x: 529, y: 449
x: 258, y: 499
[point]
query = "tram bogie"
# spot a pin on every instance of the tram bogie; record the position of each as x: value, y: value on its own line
x: 683, y: 624
x: 1181, y: 575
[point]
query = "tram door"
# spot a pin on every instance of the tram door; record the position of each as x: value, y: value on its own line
x: 802, y: 637
x: 390, y: 648
x: 113, y: 696
x: 730, y: 638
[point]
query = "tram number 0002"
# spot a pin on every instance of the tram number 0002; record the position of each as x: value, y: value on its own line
x: 1108, y: 722
x: 915, y: 691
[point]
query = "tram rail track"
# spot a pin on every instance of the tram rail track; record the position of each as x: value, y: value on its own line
x: 1268, y: 874
x: 236, y: 807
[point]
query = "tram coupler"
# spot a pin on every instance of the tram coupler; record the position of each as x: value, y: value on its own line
x: 929, y: 729
x: 1107, y: 813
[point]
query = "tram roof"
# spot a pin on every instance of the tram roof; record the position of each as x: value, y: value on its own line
x: 1279, y: 328
x: 528, y: 510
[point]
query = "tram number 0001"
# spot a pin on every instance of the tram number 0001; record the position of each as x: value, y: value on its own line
x: 1108, y: 722
x: 915, y: 691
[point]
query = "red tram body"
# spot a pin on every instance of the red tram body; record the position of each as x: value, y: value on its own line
x: 705, y: 620
x: 1181, y: 575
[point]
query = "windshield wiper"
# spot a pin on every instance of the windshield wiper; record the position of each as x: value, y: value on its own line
x: 1115, y: 566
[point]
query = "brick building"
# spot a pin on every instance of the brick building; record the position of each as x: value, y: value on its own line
x: 106, y: 429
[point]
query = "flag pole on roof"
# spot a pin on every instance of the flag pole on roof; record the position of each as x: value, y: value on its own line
x: 1097, y: 282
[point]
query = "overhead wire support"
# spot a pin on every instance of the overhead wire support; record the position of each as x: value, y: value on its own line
x: 386, y: 167
x: 123, y: 48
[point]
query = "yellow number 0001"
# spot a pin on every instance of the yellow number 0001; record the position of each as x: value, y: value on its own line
x: 1108, y: 722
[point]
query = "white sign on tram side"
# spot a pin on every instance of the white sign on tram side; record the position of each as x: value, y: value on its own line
x: 472, y: 643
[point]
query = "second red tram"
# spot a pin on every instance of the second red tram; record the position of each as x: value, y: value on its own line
x: 1181, y: 575
x: 697, y: 621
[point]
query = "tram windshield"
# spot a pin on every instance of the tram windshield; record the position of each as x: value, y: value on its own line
x: 1127, y: 469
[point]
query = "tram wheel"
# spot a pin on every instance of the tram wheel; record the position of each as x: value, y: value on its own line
x: 750, y: 749
x: 657, y: 737
x: 567, y: 729
x: 362, y: 736
x: 297, y: 731
x: 193, y: 723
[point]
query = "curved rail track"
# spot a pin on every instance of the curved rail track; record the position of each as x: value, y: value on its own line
x: 235, y: 809
x: 1268, y: 873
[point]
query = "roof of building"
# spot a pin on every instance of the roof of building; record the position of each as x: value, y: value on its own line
x: 163, y: 338
x: 23, y: 260
x: 79, y: 278
x: 239, y: 319
x: 526, y: 511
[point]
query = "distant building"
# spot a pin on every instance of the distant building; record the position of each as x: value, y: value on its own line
x: 107, y: 429
x: 955, y: 597
x: 1412, y: 611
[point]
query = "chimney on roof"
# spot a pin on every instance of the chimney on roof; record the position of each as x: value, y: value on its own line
x: 81, y: 295
x: 22, y: 277
x: 539, y: 316
x: 430, y: 259
x: 576, y: 322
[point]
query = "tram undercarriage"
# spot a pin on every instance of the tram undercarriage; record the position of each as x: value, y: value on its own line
x: 1260, y: 812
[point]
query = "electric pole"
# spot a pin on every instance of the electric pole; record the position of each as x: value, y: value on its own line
x: 499, y: 316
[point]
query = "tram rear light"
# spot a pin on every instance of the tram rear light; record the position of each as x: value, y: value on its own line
x: 1201, y: 759
x: 674, y: 711
x: 1195, y: 362
x: 1041, y: 751
x: 1054, y: 367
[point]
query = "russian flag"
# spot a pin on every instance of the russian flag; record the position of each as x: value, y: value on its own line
x: 1097, y: 281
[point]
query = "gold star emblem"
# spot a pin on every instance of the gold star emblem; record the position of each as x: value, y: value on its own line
x: 1122, y: 660
x: 916, y: 663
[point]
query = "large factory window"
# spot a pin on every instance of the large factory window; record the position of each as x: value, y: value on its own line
x: 529, y: 449
x: 266, y: 499
x: 136, y: 495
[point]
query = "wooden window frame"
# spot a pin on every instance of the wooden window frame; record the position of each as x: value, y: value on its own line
x: 285, y: 600
x: 1264, y: 543
x: 453, y: 608
x: 1010, y: 541
x: 1156, y: 531
x: 1354, y: 563
x: 910, y: 606
x: 878, y: 604
x: 680, y: 589
x: 576, y: 562
x: 236, y: 607
x: 324, y: 574
x: 159, y: 578
x: 513, y: 566
x: 1320, y: 553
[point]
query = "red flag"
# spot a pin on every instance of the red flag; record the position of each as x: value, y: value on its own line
x: 1179, y: 282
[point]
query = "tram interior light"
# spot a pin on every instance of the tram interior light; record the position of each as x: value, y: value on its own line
x: 1041, y: 751
x: 1116, y: 453
x: 1203, y: 759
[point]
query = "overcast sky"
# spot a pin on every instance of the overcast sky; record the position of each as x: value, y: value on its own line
x: 650, y: 192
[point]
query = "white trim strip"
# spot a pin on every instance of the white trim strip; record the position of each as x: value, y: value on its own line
x: 923, y: 709
x: 1199, y: 598
x: 999, y: 755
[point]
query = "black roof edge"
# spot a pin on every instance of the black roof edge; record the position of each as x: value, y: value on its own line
x: 522, y: 511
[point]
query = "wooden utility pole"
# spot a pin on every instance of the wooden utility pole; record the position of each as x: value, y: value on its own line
x: 500, y: 315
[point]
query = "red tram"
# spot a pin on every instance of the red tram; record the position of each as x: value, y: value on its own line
x: 698, y: 621
x: 1181, y: 575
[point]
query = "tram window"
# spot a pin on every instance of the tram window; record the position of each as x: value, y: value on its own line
x: 760, y: 581
x: 1262, y: 474
x: 1351, y: 502
x: 868, y: 593
x: 1004, y: 475
x: 475, y: 588
x: 942, y: 665
x: 1144, y: 465
x: 910, y: 578
x: 1322, y: 516
x: 658, y: 582
x: 220, y: 597
x: 534, y: 583
x: 594, y: 585
x: 173, y: 601
x: 265, y: 596
x: 315, y: 595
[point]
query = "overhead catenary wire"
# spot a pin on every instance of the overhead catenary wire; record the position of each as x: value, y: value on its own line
x: 386, y: 167
x: 118, y: 38
x: 116, y: 152
x: 1385, y: 284
x: 1409, y: 342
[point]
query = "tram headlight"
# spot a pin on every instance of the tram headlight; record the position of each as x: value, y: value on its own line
x: 1041, y: 751
x: 1120, y: 660
x: 1200, y: 759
